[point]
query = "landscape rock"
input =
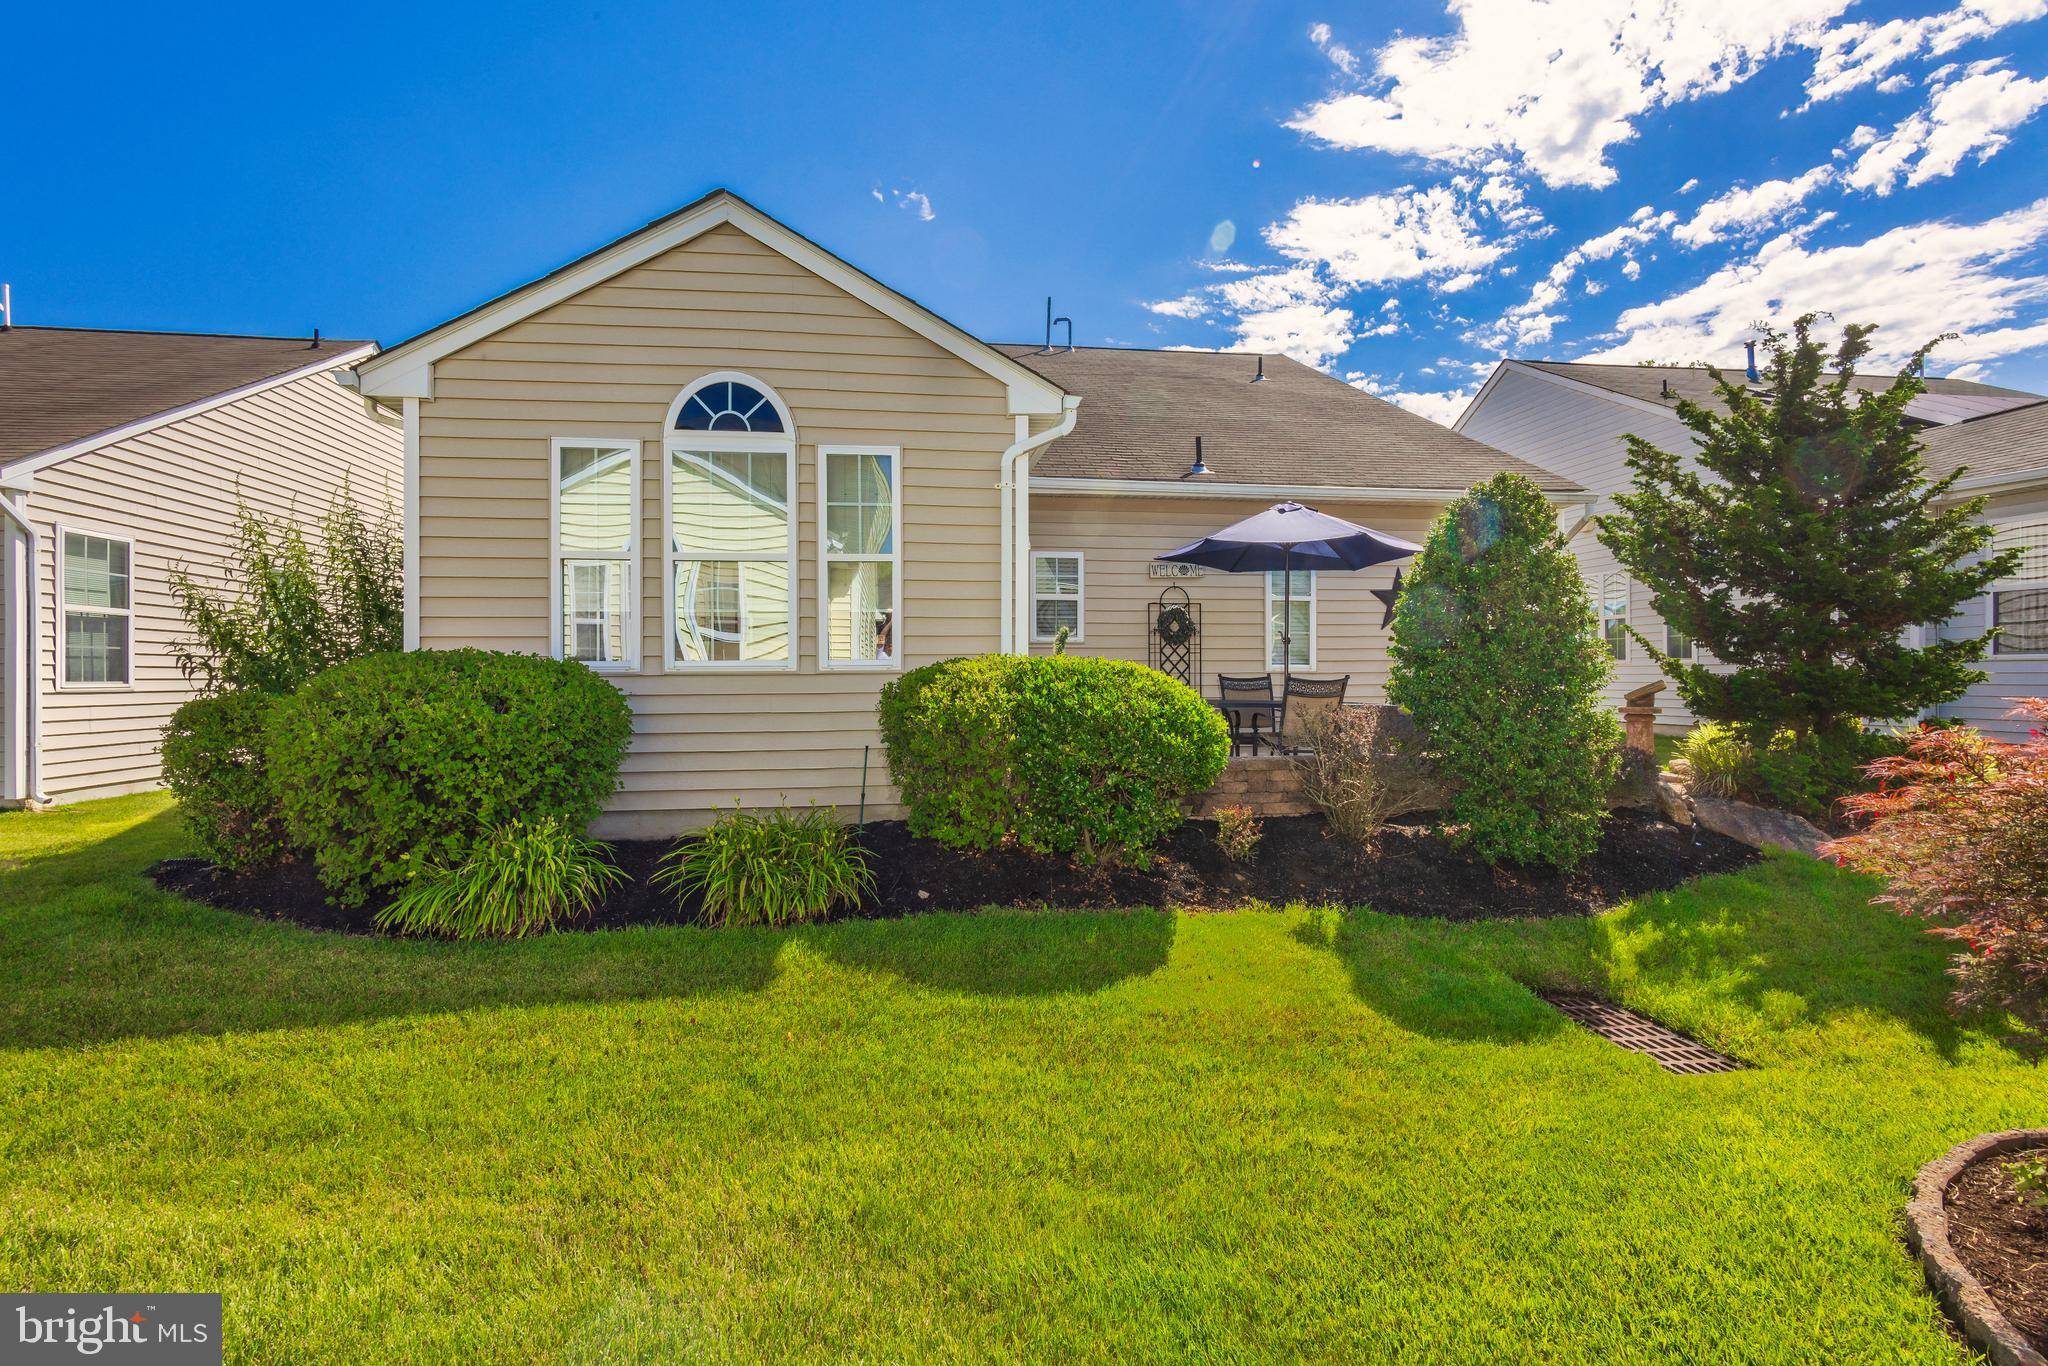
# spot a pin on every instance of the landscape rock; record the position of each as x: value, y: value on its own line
x: 1758, y: 826
x: 1672, y: 797
x: 1635, y: 783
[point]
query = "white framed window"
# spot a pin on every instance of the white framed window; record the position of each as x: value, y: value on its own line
x: 728, y: 481
x: 1057, y: 580
x: 1299, y: 651
x: 96, y: 590
x: 1610, y: 599
x: 596, y: 533
x: 2019, y: 604
x: 1678, y: 644
x: 860, y: 557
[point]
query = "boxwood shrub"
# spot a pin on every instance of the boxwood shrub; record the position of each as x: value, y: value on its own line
x: 394, y: 764
x: 213, y: 762
x: 1091, y: 758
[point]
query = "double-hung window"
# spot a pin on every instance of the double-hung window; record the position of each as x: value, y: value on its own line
x: 729, y: 528
x: 1056, y: 579
x: 1610, y: 599
x: 1678, y: 644
x: 1291, y: 614
x: 96, y: 574
x: 2019, y: 605
x: 860, y: 505
x: 596, y: 517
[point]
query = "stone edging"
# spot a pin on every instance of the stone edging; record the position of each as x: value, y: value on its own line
x: 1927, y: 1234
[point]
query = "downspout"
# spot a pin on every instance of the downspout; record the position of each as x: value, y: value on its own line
x: 1013, y: 493
x: 31, y: 681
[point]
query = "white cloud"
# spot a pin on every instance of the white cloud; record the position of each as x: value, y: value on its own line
x: 1341, y: 57
x: 1744, y: 211
x: 1453, y: 284
x: 1632, y: 268
x: 1552, y: 84
x: 1186, y: 306
x: 1438, y: 407
x: 1314, y: 334
x: 916, y: 201
x: 1855, y: 54
x: 1404, y: 235
x: 1914, y: 282
x: 1690, y: 185
x: 1532, y: 322
x: 1973, y: 114
x: 1892, y: 85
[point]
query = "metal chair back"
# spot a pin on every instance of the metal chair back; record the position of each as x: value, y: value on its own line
x: 1305, y: 701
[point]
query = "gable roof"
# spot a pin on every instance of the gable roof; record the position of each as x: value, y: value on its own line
x: 405, y: 369
x: 1946, y: 400
x: 2000, y: 445
x: 1298, y: 427
x: 66, y: 390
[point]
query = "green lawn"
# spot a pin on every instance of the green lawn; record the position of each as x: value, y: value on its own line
x: 1287, y: 1134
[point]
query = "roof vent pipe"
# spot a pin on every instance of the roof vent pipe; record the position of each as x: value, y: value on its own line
x: 1262, y: 370
x: 315, y: 346
x: 1197, y: 469
x: 1751, y: 369
x: 6, y: 307
x: 1051, y: 322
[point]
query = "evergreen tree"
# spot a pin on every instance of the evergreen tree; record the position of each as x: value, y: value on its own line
x: 1800, y: 544
x: 1496, y: 657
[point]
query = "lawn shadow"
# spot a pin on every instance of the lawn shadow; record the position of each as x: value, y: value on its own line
x: 1004, y: 953
x: 1432, y: 978
x: 1793, y: 940
x: 93, y: 952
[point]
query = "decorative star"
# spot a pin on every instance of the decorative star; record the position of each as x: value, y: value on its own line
x: 1388, y: 596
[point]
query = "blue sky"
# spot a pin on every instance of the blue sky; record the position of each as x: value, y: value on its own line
x: 1398, y: 192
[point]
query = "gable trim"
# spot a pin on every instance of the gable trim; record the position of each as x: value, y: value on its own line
x: 1581, y: 387
x: 406, y: 370
x: 21, y: 469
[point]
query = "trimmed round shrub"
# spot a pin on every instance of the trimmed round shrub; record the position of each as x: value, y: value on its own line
x: 1496, y: 656
x: 213, y: 762
x: 948, y: 733
x: 394, y: 764
x: 1092, y: 758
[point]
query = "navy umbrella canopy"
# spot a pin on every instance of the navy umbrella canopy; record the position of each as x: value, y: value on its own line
x: 1286, y: 537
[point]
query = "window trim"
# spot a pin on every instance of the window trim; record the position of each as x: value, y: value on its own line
x: 1276, y: 599
x: 62, y: 530
x: 634, y: 447
x: 757, y: 440
x: 1992, y: 591
x: 682, y: 443
x: 894, y: 559
x: 1599, y: 595
x: 1080, y: 598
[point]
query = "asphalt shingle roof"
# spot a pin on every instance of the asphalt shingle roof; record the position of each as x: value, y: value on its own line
x: 2010, y: 442
x: 1142, y: 410
x: 62, y: 384
x: 1666, y: 384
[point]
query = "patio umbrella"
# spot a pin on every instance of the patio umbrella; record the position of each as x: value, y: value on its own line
x: 1287, y: 537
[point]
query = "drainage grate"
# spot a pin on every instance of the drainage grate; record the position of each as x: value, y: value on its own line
x: 1670, y: 1050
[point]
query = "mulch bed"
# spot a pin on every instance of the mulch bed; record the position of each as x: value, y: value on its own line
x: 1413, y: 872
x: 2003, y: 1241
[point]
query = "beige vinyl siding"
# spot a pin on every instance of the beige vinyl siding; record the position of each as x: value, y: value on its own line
x: 1119, y: 536
x: 609, y: 362
x: 172, y: 492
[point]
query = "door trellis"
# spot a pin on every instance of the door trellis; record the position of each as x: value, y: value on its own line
x: 1175, y: 639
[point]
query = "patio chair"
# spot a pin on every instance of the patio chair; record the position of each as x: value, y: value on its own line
x: 1253, y: 712
x: 1305, y: 702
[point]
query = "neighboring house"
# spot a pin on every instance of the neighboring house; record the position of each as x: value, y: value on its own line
x: 122, y: 456
x: 752, y: 484
x: 1571, y: 418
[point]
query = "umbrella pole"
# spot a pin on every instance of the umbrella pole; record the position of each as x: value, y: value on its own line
x: 1286, y: 616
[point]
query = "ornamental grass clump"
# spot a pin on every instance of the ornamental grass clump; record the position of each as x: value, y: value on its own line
x: 1958, y: 829
x: 1496, y: 656
x: 519, y: 880
x: 776, y: 867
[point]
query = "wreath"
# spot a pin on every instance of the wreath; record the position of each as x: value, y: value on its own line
x: 1175, y: 625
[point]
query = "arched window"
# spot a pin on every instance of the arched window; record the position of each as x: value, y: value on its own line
x: 729, y: 405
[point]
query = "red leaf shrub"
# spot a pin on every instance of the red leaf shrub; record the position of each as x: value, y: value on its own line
x: 1959, y: 829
